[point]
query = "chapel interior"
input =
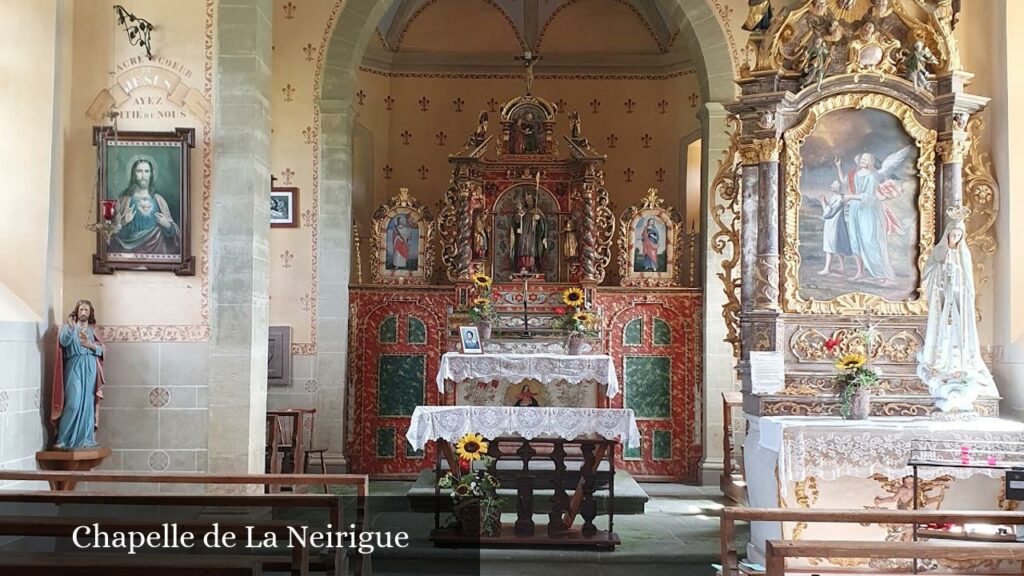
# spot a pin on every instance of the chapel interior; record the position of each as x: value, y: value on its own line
x: 712, y: 287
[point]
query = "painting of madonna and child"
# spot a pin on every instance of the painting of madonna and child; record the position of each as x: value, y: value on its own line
x: 859, y: 223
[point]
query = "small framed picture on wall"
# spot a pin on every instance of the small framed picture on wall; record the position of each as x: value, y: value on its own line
x: 284, y: 207
x: 470, y: 340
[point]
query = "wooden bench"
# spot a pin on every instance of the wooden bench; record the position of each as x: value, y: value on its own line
x: 296, y: 563
x: 729, y: 517
x: 778, y: 550
x: 121, y: 565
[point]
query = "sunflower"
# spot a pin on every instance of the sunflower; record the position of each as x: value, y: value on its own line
x: 481, y: 302
x: 481, y: 280
x: 573, y: 297
x: 585, y: 318
x: 471, y: 446
x: 851, y: 361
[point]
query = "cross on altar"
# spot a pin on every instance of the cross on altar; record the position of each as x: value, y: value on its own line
x: 526, y: 276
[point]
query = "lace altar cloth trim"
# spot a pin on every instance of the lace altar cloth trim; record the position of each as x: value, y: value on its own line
x: 454, y: 422
x: 514, y: 368
x: 830, y: 448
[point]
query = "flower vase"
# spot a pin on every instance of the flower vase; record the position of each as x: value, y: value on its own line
x: 472, y: 522
x: 484, y: 328
x: 575, y: 344
x: 860, y: 407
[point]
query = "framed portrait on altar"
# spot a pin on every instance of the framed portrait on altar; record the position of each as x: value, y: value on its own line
x: 470, y: 337
x: 402, y: 242
x: 143, y: 195
x: 650, y: 243
x: 860, y: 187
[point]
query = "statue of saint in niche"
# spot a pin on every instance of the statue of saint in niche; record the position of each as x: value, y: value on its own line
x: 529, y: 235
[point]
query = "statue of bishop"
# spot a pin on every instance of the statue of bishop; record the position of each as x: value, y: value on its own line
x: 950, y: 362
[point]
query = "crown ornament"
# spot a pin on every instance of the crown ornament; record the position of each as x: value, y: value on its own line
x: 958, y: 214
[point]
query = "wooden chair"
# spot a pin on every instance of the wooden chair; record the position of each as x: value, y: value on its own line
x: 733, y: 481
x: 311, y: 450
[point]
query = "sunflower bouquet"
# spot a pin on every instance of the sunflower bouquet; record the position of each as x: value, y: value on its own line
x: 481, y: 307
x: 855, y: 378
x: 474, y: 492
x: 574, y: 318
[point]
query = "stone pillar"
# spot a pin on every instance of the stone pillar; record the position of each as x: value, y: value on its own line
x: 952, y: 153
x: 240, y: 243
x: 334, y: 246
x: 718, y: 373
x: 766, y: 295
x: 748, y: 224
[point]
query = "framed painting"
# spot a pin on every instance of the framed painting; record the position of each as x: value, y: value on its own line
x: 284, y: 207
x: 860, y: 197
x: 147, y: 175
x: 402, y: 242
x: 650, y: 243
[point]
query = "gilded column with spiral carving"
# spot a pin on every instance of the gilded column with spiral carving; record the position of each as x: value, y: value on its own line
x: 465, y: 230
x: 588, y: 233
x: 766, y: 296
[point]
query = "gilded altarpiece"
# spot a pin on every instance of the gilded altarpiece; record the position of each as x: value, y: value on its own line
x: 523, y: 209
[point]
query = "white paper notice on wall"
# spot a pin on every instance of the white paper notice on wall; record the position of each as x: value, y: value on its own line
x: 767, y: 372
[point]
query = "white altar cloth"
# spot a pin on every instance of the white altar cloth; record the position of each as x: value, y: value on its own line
x: 514, y: 368
x: 830, y: 447
x: 454, y: 422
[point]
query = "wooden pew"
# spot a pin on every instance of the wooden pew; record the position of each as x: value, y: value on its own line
x: 729, y: 517
x: 121, y: 565
x: 778, y: 550
x: 333, y: 503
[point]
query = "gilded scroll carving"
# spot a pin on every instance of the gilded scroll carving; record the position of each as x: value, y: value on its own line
x: 981, y: 195
x: 808, y: 345
x: 725, y: 199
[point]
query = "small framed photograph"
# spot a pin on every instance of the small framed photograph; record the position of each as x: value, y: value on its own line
x: 470, y: 340
x: 284, y: 207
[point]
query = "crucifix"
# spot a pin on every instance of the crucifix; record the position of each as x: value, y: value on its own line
x: 525, y: 276
x: 529, y: 60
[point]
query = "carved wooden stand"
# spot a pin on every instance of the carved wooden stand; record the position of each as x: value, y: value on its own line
x: 70, y: 460
x: 565, y: 506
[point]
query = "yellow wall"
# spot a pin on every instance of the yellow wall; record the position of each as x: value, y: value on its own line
x: 28, y: 105
x: 135, y: 300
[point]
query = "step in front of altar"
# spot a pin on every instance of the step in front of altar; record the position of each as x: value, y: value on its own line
x: 630, y: 498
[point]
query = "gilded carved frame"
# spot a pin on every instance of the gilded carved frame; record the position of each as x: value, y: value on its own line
x: 651, y: 206
x: 855, y: 302
x: 417, y: 216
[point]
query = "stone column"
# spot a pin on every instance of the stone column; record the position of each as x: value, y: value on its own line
x: 334, y: 246
x: 718, y: 373
x: 952, y: 153
x: 766, y: 295
x: 240, y: 243
x: 748, y: 224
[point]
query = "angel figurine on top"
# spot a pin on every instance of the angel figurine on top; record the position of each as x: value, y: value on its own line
x: 950, y: 362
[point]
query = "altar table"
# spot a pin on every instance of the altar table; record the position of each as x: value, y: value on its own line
x: 827, y: 462
x: 492, y: 379
x: 535, y: 434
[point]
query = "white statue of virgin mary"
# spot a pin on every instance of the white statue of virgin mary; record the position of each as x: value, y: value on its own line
x: 950, y: 363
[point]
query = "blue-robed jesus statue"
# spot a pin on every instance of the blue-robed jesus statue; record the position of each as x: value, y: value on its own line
x: 78, y: 380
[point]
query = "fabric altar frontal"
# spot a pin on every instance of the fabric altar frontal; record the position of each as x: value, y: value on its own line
x: 452, y: 422
x: 830, y: 463
x: 537, y: 380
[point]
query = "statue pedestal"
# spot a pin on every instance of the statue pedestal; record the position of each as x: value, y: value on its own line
x: 83, y: 459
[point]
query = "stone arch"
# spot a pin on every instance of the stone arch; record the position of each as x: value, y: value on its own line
x: 349, y: 30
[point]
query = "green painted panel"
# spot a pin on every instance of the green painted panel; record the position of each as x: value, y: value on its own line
x: 633, y: 333
x: 632, y: 453
x: 411, y: 452
x: 662, y: 333
x: 648, y: 380
x: 385, y: 442
x: 389, y: 330
x: 662, y: 449
x: 417, y: 331
x: 400, y: 384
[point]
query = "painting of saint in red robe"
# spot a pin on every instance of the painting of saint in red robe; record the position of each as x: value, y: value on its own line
x: 649, y: 254
x: 402, y: 244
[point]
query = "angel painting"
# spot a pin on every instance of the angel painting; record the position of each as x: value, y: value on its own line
x: 869, y: 220
x: 859, y: 220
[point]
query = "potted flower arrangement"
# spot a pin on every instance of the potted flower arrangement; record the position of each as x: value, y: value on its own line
x: 474, y: 492
x: 481, y: 308
x: 855, y: 378
x: 577, y: 322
